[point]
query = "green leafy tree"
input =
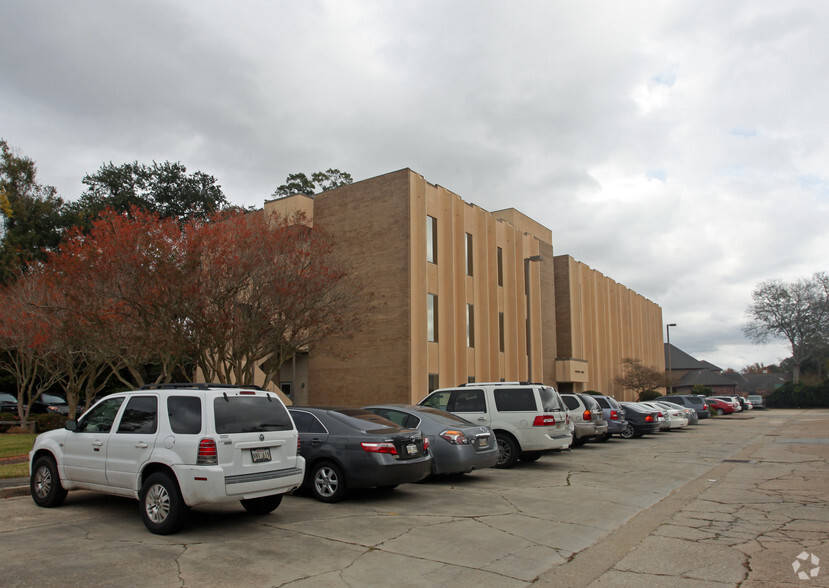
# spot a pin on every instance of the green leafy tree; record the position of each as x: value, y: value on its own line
x: 34, y: 217
x: 299, y: 183
x: 797, y: 312
x: 165, y: 189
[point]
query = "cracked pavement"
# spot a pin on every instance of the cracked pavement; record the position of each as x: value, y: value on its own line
x: 662, y: 510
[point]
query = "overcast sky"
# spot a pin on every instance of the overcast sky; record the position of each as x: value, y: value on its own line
x: 679, y: 148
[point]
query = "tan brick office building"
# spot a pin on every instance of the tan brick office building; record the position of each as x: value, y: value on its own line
x: 449, y: 288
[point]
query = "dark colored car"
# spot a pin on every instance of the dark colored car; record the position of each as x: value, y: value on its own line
x: 457, y: 446
x: 8, y: 403
x: 614, y: 414
x: 641, y: 419
x: 49, y: 403
x: 694, y: 401
x: 350, y: 448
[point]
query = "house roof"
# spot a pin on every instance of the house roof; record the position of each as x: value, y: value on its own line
x: 705, y: 377
x: 679, y: 360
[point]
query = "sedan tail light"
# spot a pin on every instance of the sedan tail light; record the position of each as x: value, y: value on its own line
x: 383, y: 447
x: 544, y: 420
x: 207, y: 454
x: 649, y: 418
x: 426, y: 444
x: 454, y: 437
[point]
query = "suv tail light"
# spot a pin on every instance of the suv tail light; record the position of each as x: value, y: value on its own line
x: 383, y: 447
x: 544, y: 420
x: 454, y: 437
x: 614, y: 416
x: 207, y: 452
x: 587, y: 415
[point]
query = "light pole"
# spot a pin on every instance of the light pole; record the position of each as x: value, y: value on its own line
x: 527, y: 261
x: 670, y: 375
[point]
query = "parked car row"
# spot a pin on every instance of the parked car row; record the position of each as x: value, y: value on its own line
x: 43, y: 404
x: 176, y: 446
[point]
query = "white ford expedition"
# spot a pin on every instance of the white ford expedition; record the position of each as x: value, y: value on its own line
x: 174, y: 446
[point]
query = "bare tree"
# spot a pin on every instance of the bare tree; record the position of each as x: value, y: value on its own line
x: 640, y: 378
x: 797, y: 312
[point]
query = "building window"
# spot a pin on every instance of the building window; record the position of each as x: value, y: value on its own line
x: 470, y: 325
x: 470, y: 380
x: 431, y: 239
x: 434, y: 382
x: 468, y: 254
x: 432, y: 317
x: 500, y: 267
x: 501, y: 331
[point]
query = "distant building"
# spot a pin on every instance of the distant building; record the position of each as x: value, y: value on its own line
x: 687, y: 372
x: 456, y: 294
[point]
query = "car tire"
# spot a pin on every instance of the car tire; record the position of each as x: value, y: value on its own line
x: 603, y: 438
x: 44, y: 483
x: 263, y: 505
x: 578, y: 442
x: 627, y: 432
x: 720, y: 412
x: 162, y: 508
x: 327, y: 482
x: 508, y: 450
x: 529, y: 456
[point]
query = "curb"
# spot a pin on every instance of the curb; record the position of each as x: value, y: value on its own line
x: 13, y: 491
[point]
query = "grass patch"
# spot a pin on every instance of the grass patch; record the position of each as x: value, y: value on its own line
x: 17, y: 470
x: 12, y: 445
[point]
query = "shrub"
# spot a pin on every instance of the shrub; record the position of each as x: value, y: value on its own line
x: 49, y: 421
x: 791, y: 395
x: 649, y: 395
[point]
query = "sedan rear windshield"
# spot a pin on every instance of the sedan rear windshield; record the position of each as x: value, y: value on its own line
x: 250, y: 414
x: 363, y: 420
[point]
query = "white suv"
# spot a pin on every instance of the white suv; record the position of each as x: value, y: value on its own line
x: 174, y: 446
x: 527, y: 419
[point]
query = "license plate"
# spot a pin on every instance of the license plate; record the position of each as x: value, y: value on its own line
x: 260, y: 455
x: 411, y: 449
x: 483, y: 443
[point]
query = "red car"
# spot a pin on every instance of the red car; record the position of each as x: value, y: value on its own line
x: 719, y: 406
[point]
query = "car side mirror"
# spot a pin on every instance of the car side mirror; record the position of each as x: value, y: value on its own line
x: 71, y: 425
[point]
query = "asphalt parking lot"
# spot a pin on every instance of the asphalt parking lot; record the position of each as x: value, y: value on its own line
x: 733, y: 501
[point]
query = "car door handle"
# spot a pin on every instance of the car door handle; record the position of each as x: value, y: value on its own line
x: 97, y: 443
x: 316, y: 442
x: 141, y: 445
x: 482, y: 419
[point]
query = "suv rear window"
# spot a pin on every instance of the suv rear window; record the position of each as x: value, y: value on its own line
x: 515, y: 400
x: 248, y: 414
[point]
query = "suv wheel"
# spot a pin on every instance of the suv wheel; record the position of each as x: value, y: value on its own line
x: 327, y: 482
x: 263, y: 505
x: 45, y: 485
x: 162, y: 508
x: 508, y: 450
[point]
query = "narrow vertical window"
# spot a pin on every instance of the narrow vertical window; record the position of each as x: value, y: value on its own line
x: 500, y: 267
x: 468, y: 254
x: 434, y: 382
x: 432, y: 317
x: 431, y: 239
x: 470, y: 325
x: 501, y: 330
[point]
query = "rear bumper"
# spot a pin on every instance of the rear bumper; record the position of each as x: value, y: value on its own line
x: 388, y: 472
x: 462, y: 458
x: 210, y: 485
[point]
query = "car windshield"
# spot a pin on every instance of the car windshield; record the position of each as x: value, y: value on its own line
x: 7, y: 398
x: 443, y: 417
x: 249, y: 414
x: 51, y: 399
x: 360, y: 419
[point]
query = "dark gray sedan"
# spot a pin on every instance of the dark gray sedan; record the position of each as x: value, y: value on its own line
x: 350, y: 448
x: 457, y: 445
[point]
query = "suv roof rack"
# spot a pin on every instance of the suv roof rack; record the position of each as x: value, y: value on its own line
x: 196, y: 385
x: 465, y: 384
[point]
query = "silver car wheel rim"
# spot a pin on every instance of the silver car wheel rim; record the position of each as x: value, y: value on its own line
x: 504, y: 452
x: 43, y: 482
x: 157, y: 503
x: 326, y: 482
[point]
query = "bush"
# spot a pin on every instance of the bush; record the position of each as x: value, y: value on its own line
x: 799, y: 396
x: 47, y: 422
x: 7, y: 416
x: 649, y: 395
